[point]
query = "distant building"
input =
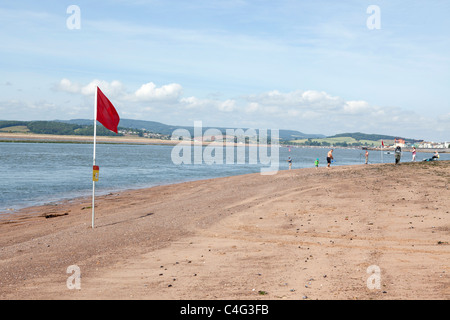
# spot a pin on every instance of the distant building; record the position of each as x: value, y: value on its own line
x: 399, y: 143
x: 432, y: 145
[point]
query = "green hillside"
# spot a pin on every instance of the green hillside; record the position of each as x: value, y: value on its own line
x: 164, y: 129
x: 54, y: 127
x: 338, y: 141
x: 352, y: 140
x: 85, y: 127
x: 373, y: 137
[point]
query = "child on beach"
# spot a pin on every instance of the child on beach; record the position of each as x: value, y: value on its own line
x: 316, y: 163
x: 290, y: 163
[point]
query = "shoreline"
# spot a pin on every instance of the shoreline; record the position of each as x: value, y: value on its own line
x: 300, y: 234
x: 68, y: 139
x: 11, y: 210
x: 88, y: 196
x: 48, y: 138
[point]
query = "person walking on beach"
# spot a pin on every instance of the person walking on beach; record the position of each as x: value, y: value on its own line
x: 414, y: 154
x: 398, y: 154
x: 290, y: 163
x: 329, y: 157
x: 367, y: 156
x: 316, y: 163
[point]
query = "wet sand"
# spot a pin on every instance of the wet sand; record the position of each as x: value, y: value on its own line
x: 297, y: 235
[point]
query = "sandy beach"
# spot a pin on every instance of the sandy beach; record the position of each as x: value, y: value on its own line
x: 34, y: 137
x: 298, y: 235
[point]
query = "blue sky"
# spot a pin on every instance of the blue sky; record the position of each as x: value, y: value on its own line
x: 312, y: 66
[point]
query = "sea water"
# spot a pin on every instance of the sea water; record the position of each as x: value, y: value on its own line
x: 39, y: 173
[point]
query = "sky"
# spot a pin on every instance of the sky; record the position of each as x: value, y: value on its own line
x: 319, y: 67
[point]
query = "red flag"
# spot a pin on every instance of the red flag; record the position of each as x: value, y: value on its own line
x: 106, y: 113
x: 382, y: 143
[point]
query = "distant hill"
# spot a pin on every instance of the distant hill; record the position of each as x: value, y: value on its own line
x: 54, y: 127
x: 372, y: 137
x: 157, y: 127
x: 356, y: 139
x: 85, y: 127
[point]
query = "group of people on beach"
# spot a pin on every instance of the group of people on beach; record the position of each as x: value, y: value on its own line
x: 397, y: 157
x: 316, y: 162
x: 398, y: 154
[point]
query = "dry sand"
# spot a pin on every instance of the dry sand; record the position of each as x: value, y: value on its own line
x: 299, y: 234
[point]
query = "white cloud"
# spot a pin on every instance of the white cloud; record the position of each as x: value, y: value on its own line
x: 149, y: 92
x: 113, y: 89
x: 194, y: 103
x: 227, y: 106
x: 252, y: 107
x: 310, y: 104
x: 67, y: 86
x: 38, y: 110
x: 357, y: 107
x: 319, y: 112
x: 309, y: 111
x: 298, y: 99
x: 443, y: 125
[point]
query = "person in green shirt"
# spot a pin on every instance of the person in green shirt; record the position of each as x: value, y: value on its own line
x: 316, y: 163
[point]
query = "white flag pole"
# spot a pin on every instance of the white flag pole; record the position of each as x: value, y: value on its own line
x: 95, y: 142
x: 381, y: 148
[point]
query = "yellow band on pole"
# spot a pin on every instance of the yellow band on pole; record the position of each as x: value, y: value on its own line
x: 95, y: 173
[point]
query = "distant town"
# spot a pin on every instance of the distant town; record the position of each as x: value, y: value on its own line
x: 155, y: 130
x: 422, y: 145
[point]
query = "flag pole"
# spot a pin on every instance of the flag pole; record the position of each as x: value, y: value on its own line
x: 95, y: 142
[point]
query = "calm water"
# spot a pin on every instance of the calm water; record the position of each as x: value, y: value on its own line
x: 38, y: 173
